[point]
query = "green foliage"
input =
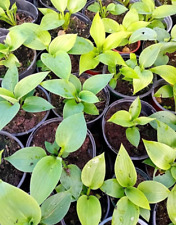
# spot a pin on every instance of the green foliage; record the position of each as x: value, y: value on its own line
x: 7, y: 13
x: 131, y: 120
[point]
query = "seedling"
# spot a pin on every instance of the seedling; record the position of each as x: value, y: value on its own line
x: 7, y: 12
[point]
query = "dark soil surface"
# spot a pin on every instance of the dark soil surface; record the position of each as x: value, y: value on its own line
x: 21, y: 17
x: 165, y: 2
x: 7, y: 172
x: 25, y: 57
x: 116, y: 135
x: 76, y: 27
x: 128, y: 48
x: 161, y: 214
x: 47, y: 133
x: 25, y: 121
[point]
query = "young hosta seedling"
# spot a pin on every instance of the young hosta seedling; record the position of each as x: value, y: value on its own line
x: 103, y: 45
x: 149, y: 12
x: 47, y: 169
x: 16, y: 95
x: 7, y: 13
x: 134, y: 201
x: 66, y: 8
x: 17, y: 207
x: 112, y: 8
x: 79, y: 98
x: 92, y: 177
x: 131, y: 120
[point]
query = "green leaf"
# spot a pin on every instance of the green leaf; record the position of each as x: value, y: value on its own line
x: 10, y: 79
x: 133, y: 135
x: 171, y: 205
x: 167, y: 72
x: 87, y: 96
x: 166, y: 178
x: 122, y: 118
x: 59, y: 64
x: 71, y: 107
x: 90, y: 108
x: 116, y: 9
x: 97, y: 31
x: 51, y: 21
x: 86, y: 208
x: 130, y: 18
x: 26, y: 159
x: 93, y: 173
x: 28, y: 83
x: 75, y: 6
x: 55, y: 208
x: 149, y: 55
x: 17, y: 207
x: 137, y: 25
x: 81, y: 46
x: 166, y: 91
x: 173, y: 172
x: 62, y: 43
x: 137, y: 197
x: 125, y: 213
x: 124, y: 169
x: 143, y: 120
x: 145, y: 213
x: 154, y: 191
x: 143, y: 34
x: 60, y: 4
x: 45, y: 177
x: 68, y: 136
x: 76, y: 82
x: 36, y: 104
x: 60, y: 87
x: 96, y: 83
x: 163, y: 11
x: 95, y: 7
x: 129, y: 73
x: 135, y: 108
x: 7, y: 112
x: 71, y: 180
x: 8, y: 95
x: 112, y: 188
x: 161, y: 155
x: 110, y: 25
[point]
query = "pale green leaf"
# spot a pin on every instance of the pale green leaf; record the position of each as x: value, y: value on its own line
x: 122, y: 118
x: 75, y: 6
x: 87, y: 96
x: 110, y: 25
x: 130, y: 18
x: 135, y: 108
x: 171, y: 205
x: 112, y: 188
x: 90, y: 108
x: 71, y: 107
x: 163, y: 11
x: 51, y: 21
x: 133, y: 135
x: 60, y: 4
x: 10, y: 79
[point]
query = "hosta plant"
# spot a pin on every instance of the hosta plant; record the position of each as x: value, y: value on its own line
x: 7, y: 12
x: 104, y: 11
x: 133, y: 201
x: 53, y: 19
x: 131, y: 120
x: 16, y: 95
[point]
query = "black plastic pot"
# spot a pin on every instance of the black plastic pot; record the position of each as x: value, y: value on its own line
x: 44, y: 118
x: 10, y: 136
x: 146, y: 110
x: 119, y: 95
x: 155, y: 103
x: 141, y: 222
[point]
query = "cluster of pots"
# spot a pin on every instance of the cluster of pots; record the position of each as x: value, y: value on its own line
x: 103, y: 136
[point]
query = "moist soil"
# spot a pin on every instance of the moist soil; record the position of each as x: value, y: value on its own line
x: 8, y: 173
x: 76, y: 26
x: 72, y: 219
x: 161, y: 214
x: 25, y: 57
x: 24, y: 121
x: 165, y: 2
x: 21, y: 17
x: 47, y: 133
x: 116, y: 135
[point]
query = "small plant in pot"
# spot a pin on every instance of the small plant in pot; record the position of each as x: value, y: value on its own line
x: 133, y: 201
x: 17, y: 96
x: 65, y: 17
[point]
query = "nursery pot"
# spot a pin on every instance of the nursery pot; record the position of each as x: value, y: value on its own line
x: 104, y: 222
x: 10, y: 144
x: 46, y: 132
x: 27, y: 124
x: 90, y: 119
x: 114, y: 134
x: 127, y: 88
x: 156, y: 102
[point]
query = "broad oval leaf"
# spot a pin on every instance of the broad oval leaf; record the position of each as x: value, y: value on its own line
x: 51, y: 21
x: 112, y: 188
x: 161, y: 155
x: 28, y: 83
x: 68, y: 136
x: 137, y: 197
x: 26, y: 159
x: 154, y: 191
x: 171, y: 205
x: 55, y: 208
x: 87, y: 96
x: 86, y: 208
x: 75, y: 6
x: 135, y: 108
x: 45, y: 177
x: 163, y: 11
x: 71, y: 107
x: 17, y: 205
x: 122, y: 118
x: 133, y: 135
x: 93, y: 173
x: 124, y: 169
x: 60, y: 4
x: 125, y: 212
